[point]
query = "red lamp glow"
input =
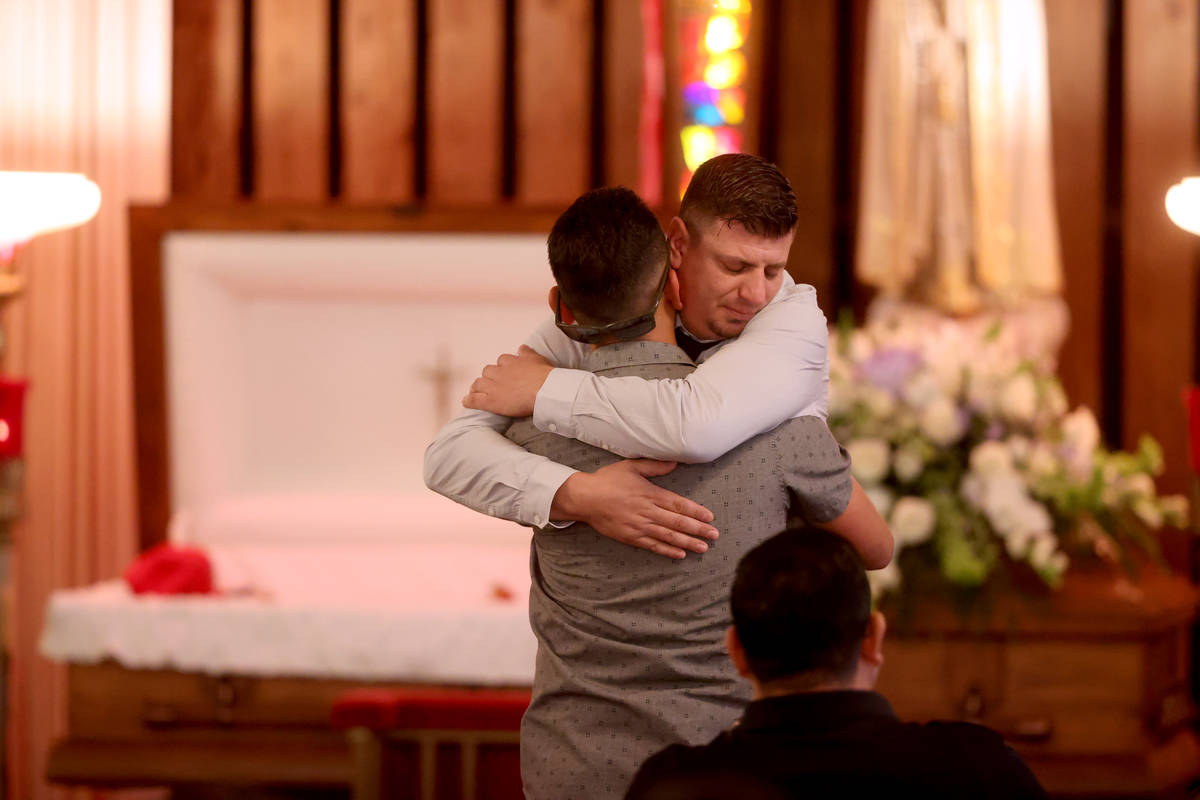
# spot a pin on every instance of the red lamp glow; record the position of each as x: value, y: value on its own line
x: 12, y: 417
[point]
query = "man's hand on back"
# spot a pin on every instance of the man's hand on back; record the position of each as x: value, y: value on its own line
x: 510, y: 386
x: 619, y: 502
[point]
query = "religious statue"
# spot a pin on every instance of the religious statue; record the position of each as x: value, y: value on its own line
x: 957, y: 204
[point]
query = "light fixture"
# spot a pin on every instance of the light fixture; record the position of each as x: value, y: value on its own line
x: 32, y: 203
x: 1183, y: 204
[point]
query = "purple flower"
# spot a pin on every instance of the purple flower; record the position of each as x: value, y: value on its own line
x: 891, y: 368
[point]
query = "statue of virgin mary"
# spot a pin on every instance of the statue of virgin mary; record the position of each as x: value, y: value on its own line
x: 957, y: 199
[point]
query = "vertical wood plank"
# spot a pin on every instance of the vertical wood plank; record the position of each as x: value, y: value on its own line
x: 465, y: 105
x: 807, y: 60
x: 291, y: 100
x: 623, y: 63
x: 1076, y: 34
x: 672, y: 148
x: 206, y: 98
x: 379, y: 73
x: 1160, y: 62
x: 554, y: 60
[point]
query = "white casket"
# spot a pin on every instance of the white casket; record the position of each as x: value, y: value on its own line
x: 288, y: 383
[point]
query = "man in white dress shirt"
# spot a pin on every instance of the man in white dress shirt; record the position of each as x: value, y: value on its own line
x: 761, y: 345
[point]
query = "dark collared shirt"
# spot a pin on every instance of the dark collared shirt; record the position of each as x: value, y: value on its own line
x: 837, y: 744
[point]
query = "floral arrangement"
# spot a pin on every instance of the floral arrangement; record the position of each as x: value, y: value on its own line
x: 963, y: 440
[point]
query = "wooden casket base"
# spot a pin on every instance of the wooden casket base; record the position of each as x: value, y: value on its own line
x: 157, y: 727
x: 1090, y: 684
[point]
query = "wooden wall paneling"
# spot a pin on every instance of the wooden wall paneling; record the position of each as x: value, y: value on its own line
x: 554, y: 61
x: 1160, y: 60
x: 672, y: 149
x: 805, y: 113
x: 1076, y: 34
x: 378, y: 100
x: 624, y: 56
x: 465, y: 104
x: 291, y: 99
x: 206, y: 98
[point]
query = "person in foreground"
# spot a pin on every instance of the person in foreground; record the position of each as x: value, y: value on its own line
x: 764, y: 360
x: 630, y: 645
x: 805, y: 637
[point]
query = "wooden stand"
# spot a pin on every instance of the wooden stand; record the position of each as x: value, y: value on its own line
x: 1089, y: 684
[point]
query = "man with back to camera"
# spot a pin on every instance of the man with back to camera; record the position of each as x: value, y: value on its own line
x: 765, y: 362
x: 630, y: 645
x: 805, y: 637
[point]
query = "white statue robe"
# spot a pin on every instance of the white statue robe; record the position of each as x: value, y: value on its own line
x: 957, y: 203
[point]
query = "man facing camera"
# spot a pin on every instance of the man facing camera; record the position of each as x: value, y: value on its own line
x: 630, y: 645
x: 806, y: 639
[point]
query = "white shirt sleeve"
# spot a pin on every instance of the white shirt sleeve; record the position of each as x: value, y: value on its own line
x: 472, y: 463
x: 776, y: 369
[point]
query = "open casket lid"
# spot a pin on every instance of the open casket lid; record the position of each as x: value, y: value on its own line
x: 317, y: 366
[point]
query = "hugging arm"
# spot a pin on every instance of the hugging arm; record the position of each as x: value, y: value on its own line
x: 826, y: 495
x: 472, y: 463
x: 776, y: 369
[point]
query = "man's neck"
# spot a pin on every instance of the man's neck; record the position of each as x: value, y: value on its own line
x: 663, y: 330
x: 807, y: 684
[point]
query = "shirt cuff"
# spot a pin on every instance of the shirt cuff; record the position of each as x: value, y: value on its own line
x: 543, y: 484
x: 555, y: 401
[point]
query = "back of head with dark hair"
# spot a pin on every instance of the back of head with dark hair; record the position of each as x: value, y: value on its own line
x: 743, y: 188
x: 801, y: 604
x: 607, y: 253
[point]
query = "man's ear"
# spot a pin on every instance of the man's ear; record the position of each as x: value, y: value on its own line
x: 736, y: 653
x: 555, y: 299
x: 671, y: 293
x: 678, y: 240
x: 872, y: 643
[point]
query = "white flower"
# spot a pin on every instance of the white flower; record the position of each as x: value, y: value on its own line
x: 908, y: 463
x: 1018, y: 400
x: 1017, y: 543
x: 1020, y: 447
x: 921, y: 390
x: 1148, y: 512
x: 880, y: 402
x: 1137, y: 485
x: 1042, y: 463
x: 1055, y: 399
x: 991, y: 458
x: 884, y: 580
x: 912, y: 520
x: 881, y: 497
x: 841, y: 397
x: 869, y: 460
x: 860, y: 347
x: 1044, y: 547
x: 941, y: 423
x: 982, y: 390
x: 1081, y: 437
x: 1175, y: 509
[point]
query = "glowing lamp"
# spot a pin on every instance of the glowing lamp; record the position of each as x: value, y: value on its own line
x: 32, y: 203
x: 733, y: 6
x: 723, y: 34
x: 1183, y: 204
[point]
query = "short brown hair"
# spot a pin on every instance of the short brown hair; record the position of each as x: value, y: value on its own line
x: 607, y: 253
x: 743, y: 188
